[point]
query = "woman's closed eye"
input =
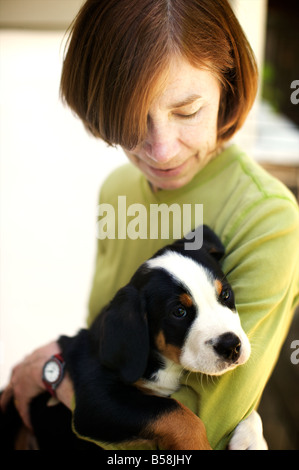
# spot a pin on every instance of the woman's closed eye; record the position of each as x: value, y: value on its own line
x: 188, y: 116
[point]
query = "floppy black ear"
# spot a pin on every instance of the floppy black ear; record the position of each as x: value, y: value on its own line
x: 120, y: 333
x: 202, y: 237
x: 212, y: 243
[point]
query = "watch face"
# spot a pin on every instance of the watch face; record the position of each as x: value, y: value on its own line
x: 52, y: 371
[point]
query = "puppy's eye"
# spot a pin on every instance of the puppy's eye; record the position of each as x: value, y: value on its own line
x: 180, y: 312
x: 226, y: 294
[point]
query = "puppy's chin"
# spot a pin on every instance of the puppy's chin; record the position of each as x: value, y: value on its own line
x: 221, y: 368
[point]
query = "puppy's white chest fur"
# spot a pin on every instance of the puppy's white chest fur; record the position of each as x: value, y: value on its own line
x: 165, y: 381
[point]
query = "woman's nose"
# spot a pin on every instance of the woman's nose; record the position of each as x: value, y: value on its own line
x: 161, y: 144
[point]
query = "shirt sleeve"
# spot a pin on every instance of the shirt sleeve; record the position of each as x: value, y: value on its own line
x: 261, y: 263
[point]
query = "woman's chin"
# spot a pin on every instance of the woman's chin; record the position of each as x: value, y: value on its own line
x: 157, y: 185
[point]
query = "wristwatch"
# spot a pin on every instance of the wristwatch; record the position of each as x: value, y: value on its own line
x: 53, y: 373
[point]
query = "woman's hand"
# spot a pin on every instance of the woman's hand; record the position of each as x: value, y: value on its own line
x: 26, y: 382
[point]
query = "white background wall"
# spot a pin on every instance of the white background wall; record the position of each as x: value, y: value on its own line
x: 52, y: 14
x: 51, y: 172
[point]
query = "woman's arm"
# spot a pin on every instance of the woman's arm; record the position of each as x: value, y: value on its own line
x: 261, y: 263
x: 26, y: 382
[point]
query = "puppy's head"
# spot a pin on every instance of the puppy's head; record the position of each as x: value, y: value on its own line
x: 192, y: 308
x: 180, y: 305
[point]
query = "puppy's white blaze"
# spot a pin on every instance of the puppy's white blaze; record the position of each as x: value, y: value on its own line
x: 187, y: 272
x: 213, y: 319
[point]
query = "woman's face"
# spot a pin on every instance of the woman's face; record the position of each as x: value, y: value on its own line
x: 182, y: 127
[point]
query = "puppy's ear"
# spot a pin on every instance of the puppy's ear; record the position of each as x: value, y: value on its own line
x: 120, y: 334
x: 212, y: 243
x: 201, y: 237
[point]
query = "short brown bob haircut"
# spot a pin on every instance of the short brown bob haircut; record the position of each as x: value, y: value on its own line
x: 118, y: 50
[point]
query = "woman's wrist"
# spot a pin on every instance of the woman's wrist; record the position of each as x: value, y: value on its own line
x: 64, y: 390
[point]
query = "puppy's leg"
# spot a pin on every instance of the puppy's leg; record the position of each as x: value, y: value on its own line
x: 248, y: 435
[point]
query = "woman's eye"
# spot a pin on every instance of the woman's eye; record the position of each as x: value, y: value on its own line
x: 188, y: 116
x: 180, y: 312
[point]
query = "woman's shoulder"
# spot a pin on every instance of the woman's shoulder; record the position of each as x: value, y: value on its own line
x: 260, y: 184
x: 254, y: 186
x: 253, y: 199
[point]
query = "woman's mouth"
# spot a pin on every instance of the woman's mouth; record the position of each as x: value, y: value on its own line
x: 167, y: 172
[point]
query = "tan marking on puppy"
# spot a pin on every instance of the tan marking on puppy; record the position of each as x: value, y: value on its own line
x: 160, y: 341
x: 168, y: 350
x: 179, y: 430
x: 141, y: 385
x: 186, y: 300
x: 218, y: 286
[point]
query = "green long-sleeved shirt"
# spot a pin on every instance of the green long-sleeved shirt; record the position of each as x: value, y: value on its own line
x: 257, y: 219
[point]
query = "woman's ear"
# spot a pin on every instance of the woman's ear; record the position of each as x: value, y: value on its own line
x: 120, y: 334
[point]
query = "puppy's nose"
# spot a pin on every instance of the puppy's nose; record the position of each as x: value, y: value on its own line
x: 228, y: 346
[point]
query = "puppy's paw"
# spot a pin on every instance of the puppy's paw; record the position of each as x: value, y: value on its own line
x: 248, y: 435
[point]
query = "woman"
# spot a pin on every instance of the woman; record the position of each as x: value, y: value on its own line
x: 171, y: 81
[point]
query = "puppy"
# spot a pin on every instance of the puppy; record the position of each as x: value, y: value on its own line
x: 176, y: 314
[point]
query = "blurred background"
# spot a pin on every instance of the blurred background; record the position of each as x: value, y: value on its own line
x: 51, y: 173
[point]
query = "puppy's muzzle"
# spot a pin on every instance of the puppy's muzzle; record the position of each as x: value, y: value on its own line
x: 228, y: 346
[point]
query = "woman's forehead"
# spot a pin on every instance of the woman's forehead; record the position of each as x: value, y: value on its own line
x: 183, y: 84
